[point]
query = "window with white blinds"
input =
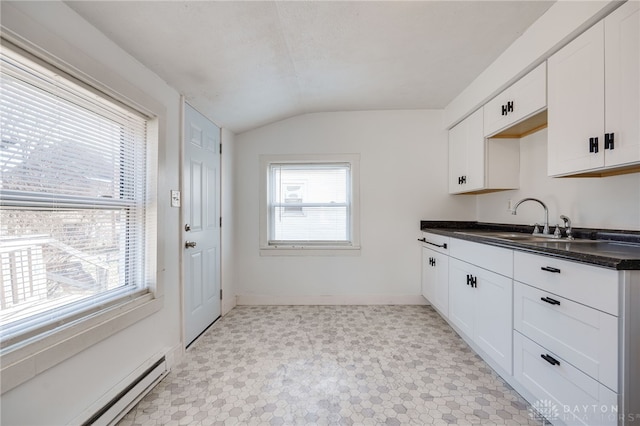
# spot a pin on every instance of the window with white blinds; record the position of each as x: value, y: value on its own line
x: 310, y: 203
x: 72, y: 199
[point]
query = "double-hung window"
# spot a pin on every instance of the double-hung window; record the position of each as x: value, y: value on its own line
x: 310, y: 203
x: 73, y: 200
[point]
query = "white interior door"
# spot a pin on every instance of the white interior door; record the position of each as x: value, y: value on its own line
x: 201, y: 231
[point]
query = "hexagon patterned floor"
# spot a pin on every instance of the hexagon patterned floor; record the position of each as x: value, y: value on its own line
x: 343, y: 365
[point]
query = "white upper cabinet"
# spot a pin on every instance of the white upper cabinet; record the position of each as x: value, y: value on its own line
x: 477, y: 164
x: 523, y: 99
x: 622, y: 83
x: 594, y: 97
x: 466, y: 155
x: 576, y: 104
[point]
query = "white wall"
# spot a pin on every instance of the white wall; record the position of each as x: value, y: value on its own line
x: 610, y: 202
x: 74, y: 387
x: 403, y: 179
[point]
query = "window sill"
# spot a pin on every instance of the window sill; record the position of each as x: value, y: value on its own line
x: 28, y: 360
x: 310, y: 251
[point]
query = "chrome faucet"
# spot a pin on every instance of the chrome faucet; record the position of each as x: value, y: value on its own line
x: 567, y: 226
x: 545, y: 230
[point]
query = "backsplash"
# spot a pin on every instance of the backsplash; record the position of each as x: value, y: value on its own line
x: 608, y: 203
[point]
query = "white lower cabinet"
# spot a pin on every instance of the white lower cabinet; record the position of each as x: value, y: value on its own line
x: 585, y: 337
x: 435, y: 271
x: 435, y: 279
x: 566, y: 338
x: 480, y: 305
x: 559, y: 331
x: 563, y: 393
x: 461, y: 297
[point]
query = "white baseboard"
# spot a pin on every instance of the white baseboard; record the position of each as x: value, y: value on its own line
x: 348, y: 299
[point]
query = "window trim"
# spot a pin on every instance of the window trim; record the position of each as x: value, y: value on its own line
x: 35, y: 354
x: 310, y: 248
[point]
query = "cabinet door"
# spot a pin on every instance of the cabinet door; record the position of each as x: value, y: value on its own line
x: 622, y: 83
x: 457, y: 157
x: 441, y: 287
x: 576, y: 104
x: 527, y: 96
x: 476, y: 158
x: 493, y: 316
x: 466, y: 155
x: 435, y: 279
x: 428, y: 275
x: 461, y: 297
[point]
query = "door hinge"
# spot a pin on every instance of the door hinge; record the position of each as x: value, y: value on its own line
x: 220, y: 221
x: 220, y: 149
x: 220, y: 294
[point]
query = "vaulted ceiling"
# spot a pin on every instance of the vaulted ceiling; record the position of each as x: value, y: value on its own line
x: 245, y: 63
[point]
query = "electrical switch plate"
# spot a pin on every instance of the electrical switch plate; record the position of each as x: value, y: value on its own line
x: 175, y: 198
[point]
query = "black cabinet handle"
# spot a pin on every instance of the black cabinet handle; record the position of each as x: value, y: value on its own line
x: 550, y: 269
x: 550, y: 301
x: 551, y: 360
x: 424, y: 240
x: 608, y: 141
x: 593, y: 145
x: 506, y: 109
x: 472, y: 281
x: 462, y: 180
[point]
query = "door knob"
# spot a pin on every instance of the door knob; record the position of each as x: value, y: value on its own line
x: 189, y: 244
x: 187, y: 227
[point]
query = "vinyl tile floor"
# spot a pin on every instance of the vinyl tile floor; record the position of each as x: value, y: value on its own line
x: 331, y: 365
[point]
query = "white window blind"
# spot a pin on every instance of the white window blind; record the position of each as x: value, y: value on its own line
x: 310, y: 203
x: 72, y: 198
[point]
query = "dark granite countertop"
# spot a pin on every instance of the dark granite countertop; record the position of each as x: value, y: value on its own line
x: 613, y: 249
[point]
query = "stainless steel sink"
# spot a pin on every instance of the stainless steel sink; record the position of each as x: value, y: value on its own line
x: 521, y: 237
x: 606, y: 248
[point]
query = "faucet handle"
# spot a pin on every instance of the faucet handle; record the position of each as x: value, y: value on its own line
x: 557, y: 233
x: 567, y: 226
x: 536, y: 228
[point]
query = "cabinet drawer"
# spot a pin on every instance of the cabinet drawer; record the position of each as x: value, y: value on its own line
x: 572, y: 396
x: 589, y: 285
x: 494, y: 259
x: 436, y: 242
x: 585, y: 337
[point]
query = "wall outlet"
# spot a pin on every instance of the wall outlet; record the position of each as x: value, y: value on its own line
x: 175, y: 198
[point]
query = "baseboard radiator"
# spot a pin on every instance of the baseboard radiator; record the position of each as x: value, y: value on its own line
x: 120, y: 405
